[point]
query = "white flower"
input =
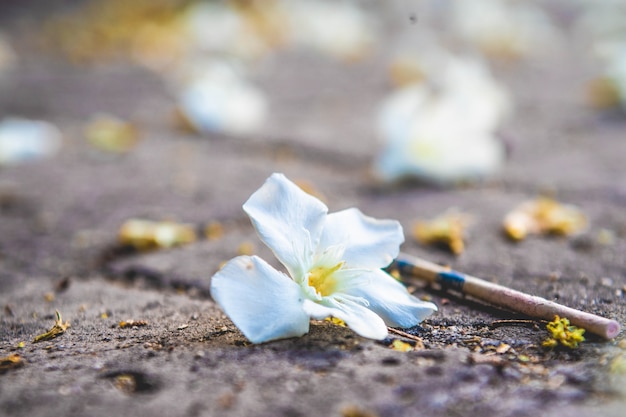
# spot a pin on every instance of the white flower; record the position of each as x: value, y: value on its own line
x: 221, y: 100
x: 334, y: 262
x: 444, y: 130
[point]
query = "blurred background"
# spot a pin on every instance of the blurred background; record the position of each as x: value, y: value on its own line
x: 426, y: 90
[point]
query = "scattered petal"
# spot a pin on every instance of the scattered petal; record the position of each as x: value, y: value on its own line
x: 262, y: 302
x: 544, y: 216
x: 146, y: 234
x: 447, y: 229
x: 23, y: 140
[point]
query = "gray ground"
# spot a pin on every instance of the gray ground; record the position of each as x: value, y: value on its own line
x: 59, y: 219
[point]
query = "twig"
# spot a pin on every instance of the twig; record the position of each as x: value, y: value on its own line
x: 501, y: 296
x: 405, y: 334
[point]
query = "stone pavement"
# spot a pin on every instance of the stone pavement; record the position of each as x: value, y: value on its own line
x: 59, y: 219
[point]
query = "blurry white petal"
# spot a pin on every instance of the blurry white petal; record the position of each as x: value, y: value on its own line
x: 288, y: 220
x: 23, y: 139
x: 357, y: 317
x: 391, y: 301
x: 222, y: 101
x: 262, y: 302
x: 368, y: 242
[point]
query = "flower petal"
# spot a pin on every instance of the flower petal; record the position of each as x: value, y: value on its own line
x: 263, y: 303
x: 390, y: 300
x: 288, y: 220
x: 358, y: 318
x: 369, y: 242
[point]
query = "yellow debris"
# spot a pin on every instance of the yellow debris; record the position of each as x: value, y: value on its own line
x: 603, y: 93
x: 10, y: 362
x: 401, y: 346
x: 246, y: 248
x: 543, y: 216
x: 111, y: 134
x: 405, y: 71
x: 447, y: 229
x: 146, y: 234
x: 214, y: 231
x: 132, y: 323
x: 561, y: 332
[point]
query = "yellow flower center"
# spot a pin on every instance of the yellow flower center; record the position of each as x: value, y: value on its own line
x: 321, y: 278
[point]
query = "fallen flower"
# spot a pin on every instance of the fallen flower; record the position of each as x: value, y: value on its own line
x: 57, y: 330
x: 543, y: 215
x: 561, y: 332
x: 334, y: 262
x: 443, y: 129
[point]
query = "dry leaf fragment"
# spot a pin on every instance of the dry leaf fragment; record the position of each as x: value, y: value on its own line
x: 57, y: 330
x: 10, y: 362
x: 447, y: 229
x: 132, y: 323
x: 543, y: 215
x: 145, y: 234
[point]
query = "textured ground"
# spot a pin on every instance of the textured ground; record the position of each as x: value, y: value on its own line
x: 59, y: 219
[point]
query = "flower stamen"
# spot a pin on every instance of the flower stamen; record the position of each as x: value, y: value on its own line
x: 321, y: 278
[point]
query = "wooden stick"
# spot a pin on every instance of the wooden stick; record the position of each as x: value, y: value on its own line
x: 501, y: 296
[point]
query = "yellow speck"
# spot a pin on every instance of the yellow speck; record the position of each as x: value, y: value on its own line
x: 111, y: 134
x: 246, y: 248
x: 401, y: 346
x: 214, y: 231
x: 104, y: 315
x: 21, y: 345
x: 406, y: 70
x: 603, y: 93
x: 605, y: 237
x: 335, y: 320
x: 49, y: 296
x: 503, y: 348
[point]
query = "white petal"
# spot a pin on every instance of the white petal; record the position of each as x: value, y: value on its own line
x: 358, y: 318
x: 263, y: 303
x: 390, y: 300
x: 369, y: 242
x: 288, y: 220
